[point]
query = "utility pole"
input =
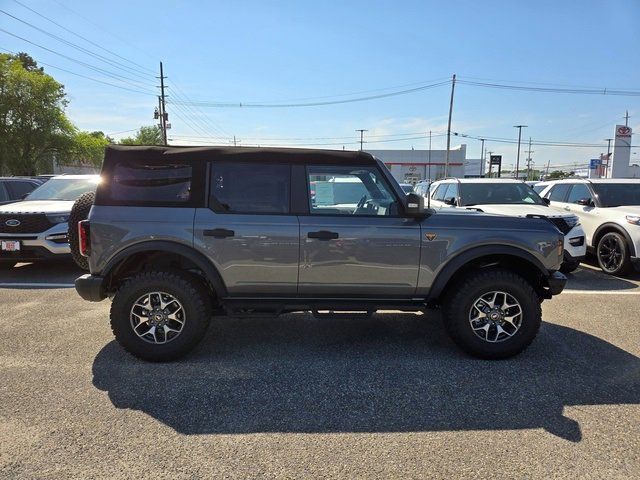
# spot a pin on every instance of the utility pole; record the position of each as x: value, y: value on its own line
x: 606, y: 167
x: 519, y: 127
x: 429, y: 161
x: 548, y: 165
x: 490, y: 166
x: 626, y: 118
x: 164, y: 116
x: 446, y: 162
x: 361, y: 130
x: 481, y: 156
x: 529, y: 160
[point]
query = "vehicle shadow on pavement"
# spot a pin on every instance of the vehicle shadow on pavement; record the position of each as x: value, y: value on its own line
x: 387, y: 373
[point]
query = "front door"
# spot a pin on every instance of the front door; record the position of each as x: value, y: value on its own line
x: 354, y: 240
x: 248, y: 231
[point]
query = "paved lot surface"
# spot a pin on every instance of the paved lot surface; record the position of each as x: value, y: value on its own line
x: 297, y: 397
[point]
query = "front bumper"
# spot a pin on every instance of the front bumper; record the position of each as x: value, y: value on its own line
x: 38, y: 246
x: 90, y: 287
x: 571, y: 259
x: 555, y: 284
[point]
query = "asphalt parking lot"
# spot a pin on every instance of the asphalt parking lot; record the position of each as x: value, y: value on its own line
x: 298, y: 397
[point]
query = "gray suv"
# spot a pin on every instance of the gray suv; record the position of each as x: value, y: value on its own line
x: 178, y: 234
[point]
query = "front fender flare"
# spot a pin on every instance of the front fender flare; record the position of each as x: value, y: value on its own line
x: 460, y: 260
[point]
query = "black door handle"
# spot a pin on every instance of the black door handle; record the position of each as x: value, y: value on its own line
x: 323, y: 235
x: 219, y: 233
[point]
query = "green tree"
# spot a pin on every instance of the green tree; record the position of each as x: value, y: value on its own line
x: 558, y: 174
x: 151, y: 135
x: 33, y: 125
x: 87, y: 148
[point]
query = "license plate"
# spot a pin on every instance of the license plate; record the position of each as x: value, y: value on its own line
x: 10, y: 245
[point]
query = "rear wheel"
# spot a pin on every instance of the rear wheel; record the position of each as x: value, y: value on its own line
x: 613, y: 254
x: 493, y: 314
x: 160, y: 315
x: 79, y: 211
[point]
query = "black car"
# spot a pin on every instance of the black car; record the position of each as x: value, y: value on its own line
x: 15, y: 188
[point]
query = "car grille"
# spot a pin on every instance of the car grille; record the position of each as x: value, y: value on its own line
x: 562, y: 225
x: 29, y: 223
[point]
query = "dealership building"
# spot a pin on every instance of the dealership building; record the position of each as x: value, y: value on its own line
x: 412, y: 166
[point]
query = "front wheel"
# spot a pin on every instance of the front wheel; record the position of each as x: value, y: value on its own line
x: 613, y: 254
x: 492, y: 315
x: 160, y: 315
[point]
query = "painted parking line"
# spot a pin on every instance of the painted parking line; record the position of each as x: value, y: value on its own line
x: 601, y: 292
x: 35, y: 285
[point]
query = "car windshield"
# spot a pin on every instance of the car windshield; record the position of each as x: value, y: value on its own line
x: 406, y: 187
x: 64, y: 188
x: 498, y: 193
x: 617, y: 194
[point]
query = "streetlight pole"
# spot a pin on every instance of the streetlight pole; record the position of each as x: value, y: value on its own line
x: 519, y: 127
x: 482, y: 156
x: 429, y: 174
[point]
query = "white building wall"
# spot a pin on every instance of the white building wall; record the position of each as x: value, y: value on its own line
x: 411, y: 166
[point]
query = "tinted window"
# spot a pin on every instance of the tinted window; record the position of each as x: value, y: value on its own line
x: 498, y: 193
x: 18, y: 189
x: 558, y: 193
x: 617, y: 194
x: 250, y: 187
x: 349, y: 191
x: 153, y: 183
x: 452, y: 192
x: 3, y: 194
x: 578, y: 192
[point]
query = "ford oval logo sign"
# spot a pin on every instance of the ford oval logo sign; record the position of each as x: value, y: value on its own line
x: 12, y: 223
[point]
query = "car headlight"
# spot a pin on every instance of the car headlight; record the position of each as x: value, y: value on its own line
x: 58, y: 218
x: 635, y: 219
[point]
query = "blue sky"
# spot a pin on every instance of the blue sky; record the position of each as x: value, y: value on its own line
x: 279, y: 51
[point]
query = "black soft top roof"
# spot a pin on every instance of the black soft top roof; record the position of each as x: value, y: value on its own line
x: 115, y: 153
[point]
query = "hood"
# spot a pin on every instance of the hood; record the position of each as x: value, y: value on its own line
x: 38, y: 206
x: 521, y: 210
x: 628, y: 210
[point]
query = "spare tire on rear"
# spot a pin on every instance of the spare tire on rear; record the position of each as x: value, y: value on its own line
x: 79, y: 212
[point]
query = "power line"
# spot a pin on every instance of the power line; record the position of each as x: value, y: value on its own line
x: 85, y: 76
x: 581, y: 91
x: 350, y: 137
x: 113, y: 63
x: 115, y: 76
x: 313, y: 104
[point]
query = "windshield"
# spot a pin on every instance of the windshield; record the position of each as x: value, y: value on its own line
x: 539, y: 188
x: 64, y: 188
x: 407, y: 188
x: 498, y: 193
x: 617, y: 194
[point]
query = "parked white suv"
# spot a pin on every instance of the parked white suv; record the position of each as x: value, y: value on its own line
x: 36, y: 228
x: 502, y: 196
x: 609, y: 210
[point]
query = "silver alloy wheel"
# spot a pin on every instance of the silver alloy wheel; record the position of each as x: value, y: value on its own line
x: 495, y: 316
x: 157, y: 317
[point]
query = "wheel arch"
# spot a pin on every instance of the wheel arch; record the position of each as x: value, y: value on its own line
x: 164, y: 253
x: 613, y: 227
x: 511, y: 258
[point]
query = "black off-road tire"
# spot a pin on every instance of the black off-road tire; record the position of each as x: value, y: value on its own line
x: 79, y: 212
x: 186, y: 288
x: 457, y: 306
x: 625, y: 261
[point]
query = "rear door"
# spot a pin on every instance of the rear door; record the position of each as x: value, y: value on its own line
x: 248, y: 230
x: 353, y: 240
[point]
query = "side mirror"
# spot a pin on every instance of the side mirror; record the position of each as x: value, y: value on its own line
x: 450, y: 201
x: 585, y: 202
x: 414, y: 205
x: 546, y: 200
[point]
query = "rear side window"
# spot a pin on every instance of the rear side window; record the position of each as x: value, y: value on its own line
x: 559, y: 192
x: 250, y: 188
x: 19, y: 189
x: 167, y: 183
